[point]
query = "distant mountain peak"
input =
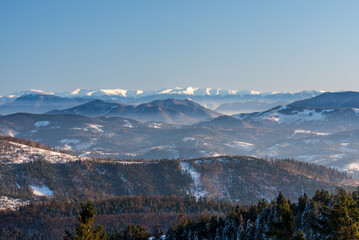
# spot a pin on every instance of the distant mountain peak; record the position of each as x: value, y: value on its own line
x: 34, y: 92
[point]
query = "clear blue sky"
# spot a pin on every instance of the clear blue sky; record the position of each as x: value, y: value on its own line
x: 262, y: 45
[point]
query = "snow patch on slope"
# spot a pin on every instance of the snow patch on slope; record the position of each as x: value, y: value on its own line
x: 8, y: 132
x: 95, y: 127
x: 241, y: 145
x: 302, y: 131
x: 353, y: 166
x: 127, y: 124
x: 42, y: 123
x: 69, y: 141
x: 41, y: 191
x: 197, y: 189
x: 295, y: 116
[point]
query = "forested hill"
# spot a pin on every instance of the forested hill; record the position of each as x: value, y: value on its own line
x: 237, y: 179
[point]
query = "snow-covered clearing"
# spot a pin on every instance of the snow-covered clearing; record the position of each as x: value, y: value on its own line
x: 41, y: 191
x: 197, y: 189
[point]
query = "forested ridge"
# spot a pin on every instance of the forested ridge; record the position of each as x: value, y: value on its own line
x: 323, y: 216
x: 243, y: 179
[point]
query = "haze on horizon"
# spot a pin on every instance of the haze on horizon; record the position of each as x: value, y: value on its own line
x: 257, y: 45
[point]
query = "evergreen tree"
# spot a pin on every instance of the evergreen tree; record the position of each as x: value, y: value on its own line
x: 282, y: 226
x: 345, y: 217
x: 86, y: 229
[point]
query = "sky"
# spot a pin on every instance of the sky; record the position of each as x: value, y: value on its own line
x: 264, y: 45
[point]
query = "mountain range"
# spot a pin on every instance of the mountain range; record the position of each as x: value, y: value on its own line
x: 187, y: 91
x: 307, y: 130
x: 39, y: 103
x: 224, y: 101
x: 171, y: 111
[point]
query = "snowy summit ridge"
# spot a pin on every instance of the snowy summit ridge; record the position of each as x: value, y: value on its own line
x: 186, y: 91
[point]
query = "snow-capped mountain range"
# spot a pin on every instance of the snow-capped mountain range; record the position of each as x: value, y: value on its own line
x: 221, y: 100
x: 186, y: 91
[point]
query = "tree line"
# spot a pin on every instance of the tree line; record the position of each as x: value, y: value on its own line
x: 324, y: 216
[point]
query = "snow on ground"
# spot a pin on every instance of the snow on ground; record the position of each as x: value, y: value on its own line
x: 353, y: 166
x: 215, y: 154
x: 71, y: 144
x: 303, y: 131
x: 337, y: 156
x: 95, y: 127
x: 11, y: 203
x: 241, y: 145
x: 311, y: 141
x: 41, y: 191
x: 42, y: 123
x: 8, y: 132
x: 294, y: 116
x: 128, y: 124
x: 115, y: 92
x: 18, y: 153
x: 197, y: 189
x: 346, y: 147
x: 155, y: 125
x: 80, y: 129
x: 69, y: 141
